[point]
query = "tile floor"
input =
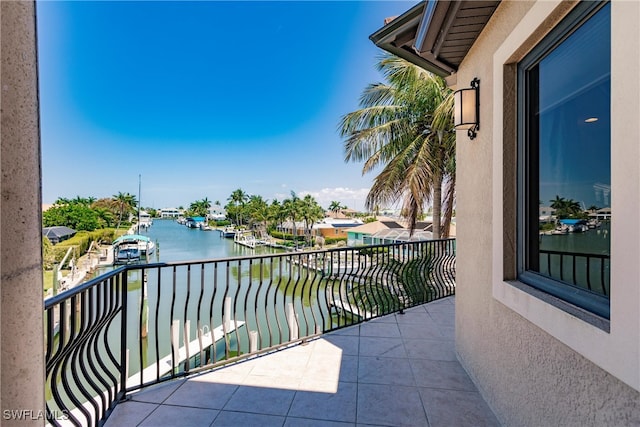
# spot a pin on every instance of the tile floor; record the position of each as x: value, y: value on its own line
x: 398, y: 370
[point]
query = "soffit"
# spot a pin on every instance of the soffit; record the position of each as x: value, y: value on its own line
x: 436, y: 34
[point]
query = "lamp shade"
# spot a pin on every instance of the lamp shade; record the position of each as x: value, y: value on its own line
x: 466, y: 113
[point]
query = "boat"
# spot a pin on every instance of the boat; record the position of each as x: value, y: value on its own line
x: 194, y: 222
x: 126, y: 254
x: 132, y: 248
x: 145, y: 220
x: 229, y: 232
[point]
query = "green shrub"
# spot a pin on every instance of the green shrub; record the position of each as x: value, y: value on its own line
x: 374, y: 250
x: 286, y: 236
x: 81, y: 242
x: 333, y: 240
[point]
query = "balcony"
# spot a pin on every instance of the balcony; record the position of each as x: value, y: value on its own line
x: 355, y: 335
x: 399, y: 369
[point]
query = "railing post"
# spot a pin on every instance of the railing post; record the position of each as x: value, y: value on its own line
x: 226, y: 322
x: 253, y: 341
x: 292, y: 321
x: 123, y: 335
x: 175, y: 344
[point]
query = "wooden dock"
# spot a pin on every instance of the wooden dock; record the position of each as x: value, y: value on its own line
x: 342, y: 306
x: 164, y: 365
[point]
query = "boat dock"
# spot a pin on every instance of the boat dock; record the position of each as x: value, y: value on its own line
x: 184, y: 353
x: 341, y: 306
x: 340, y: 303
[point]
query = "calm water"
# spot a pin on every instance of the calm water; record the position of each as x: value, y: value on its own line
x: 197, y: 294
x: 185, y: 287
x: 179, y: 243
x: 594, y: 241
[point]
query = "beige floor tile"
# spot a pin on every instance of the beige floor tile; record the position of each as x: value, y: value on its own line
x: 261, y: 400
x: 201, y: 395
x: 380, y: 370
x: 157, y: 393
x: 171, y: 416
x: 245, y: 419
x: 130, y: 413
x: 390, y: 405
x: 338, y: 406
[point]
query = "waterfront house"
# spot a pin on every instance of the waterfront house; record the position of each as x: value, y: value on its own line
x: 217, y: 213
x: 58, y: 234
x: 169, y: 213
x: 335, y: 227
x: 289, y: 227
x: 361, y: 235
x: 545, y: 75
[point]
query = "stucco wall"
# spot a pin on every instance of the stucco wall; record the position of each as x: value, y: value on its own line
x: 528, y: 377
x: 21, y: 303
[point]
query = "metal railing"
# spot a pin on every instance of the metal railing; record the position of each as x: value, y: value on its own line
x: 589, y: 271
x: 144, y: 324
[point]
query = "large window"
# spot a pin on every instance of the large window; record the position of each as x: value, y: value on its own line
x: 565, y: 161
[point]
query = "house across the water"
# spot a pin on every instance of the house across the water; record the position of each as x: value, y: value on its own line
x: 58, y: 234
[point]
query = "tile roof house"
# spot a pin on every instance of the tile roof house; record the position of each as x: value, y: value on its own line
x: 58, y: 234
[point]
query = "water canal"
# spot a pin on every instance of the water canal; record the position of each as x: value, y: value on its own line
x: 195, y: 294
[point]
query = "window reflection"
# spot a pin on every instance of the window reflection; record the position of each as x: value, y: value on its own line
x: 571, y: 126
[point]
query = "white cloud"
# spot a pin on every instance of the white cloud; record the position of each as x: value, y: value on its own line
x: 353, y: 198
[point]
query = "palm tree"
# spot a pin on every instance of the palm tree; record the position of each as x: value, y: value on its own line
x: 291, y: 210
x: 335, y: 207
x: 310, y: 211
x: 258, y: 210
x: 105, y: 217
x: 566, y: 208
x: 126, y: 204
x: 236, y: 199
x: 558, y: 202
x: 276, y: 213
x: 404, y: 128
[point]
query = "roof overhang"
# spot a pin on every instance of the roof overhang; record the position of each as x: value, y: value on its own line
x: 436, y: 34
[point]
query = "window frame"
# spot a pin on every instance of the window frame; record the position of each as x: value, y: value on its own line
x: 527, y: 176
x: 590, y: 336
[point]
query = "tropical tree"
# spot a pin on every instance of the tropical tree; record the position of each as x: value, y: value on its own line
x: 276, y: 213
x: 291, y: 210
x: 206, y: 205
x: 310, y: 212
x: 77, y: 216
x: 335, y: 207
x: 200, y: 207
x: 258, y: 210
x: 566, y: 208
x: 126, y: 205
x: 105, y: 216
x: 404, y: 128
x: 236, y: 200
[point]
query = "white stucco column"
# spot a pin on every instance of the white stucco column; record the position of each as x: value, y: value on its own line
x: 21, y: 303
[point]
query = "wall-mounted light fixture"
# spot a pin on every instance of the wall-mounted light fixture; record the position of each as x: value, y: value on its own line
x: 467, y: 108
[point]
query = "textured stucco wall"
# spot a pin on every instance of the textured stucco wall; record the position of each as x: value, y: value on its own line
x: 526, y: 375
x: 21, y: 303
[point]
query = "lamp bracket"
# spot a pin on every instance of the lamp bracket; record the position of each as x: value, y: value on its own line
x: 471, y: 133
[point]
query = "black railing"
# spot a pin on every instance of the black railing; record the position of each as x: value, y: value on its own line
x: 141, y: 325
x: 589, y: 271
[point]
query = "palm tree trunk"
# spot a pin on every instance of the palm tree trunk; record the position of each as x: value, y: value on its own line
x: 437, y: 205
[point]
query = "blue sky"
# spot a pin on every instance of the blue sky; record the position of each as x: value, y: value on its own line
x: 202, y: 98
